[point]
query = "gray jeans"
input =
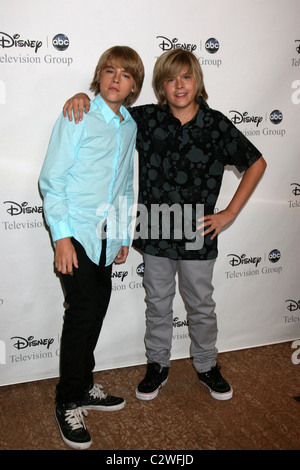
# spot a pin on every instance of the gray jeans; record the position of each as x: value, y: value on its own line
x: 195, y: 284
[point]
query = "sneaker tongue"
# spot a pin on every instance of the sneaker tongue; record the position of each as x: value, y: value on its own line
x: 71, y: 406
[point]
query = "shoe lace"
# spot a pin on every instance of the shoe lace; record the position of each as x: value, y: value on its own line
x: 75, y: 419
x: 97, y: 392
x: 215, y: 374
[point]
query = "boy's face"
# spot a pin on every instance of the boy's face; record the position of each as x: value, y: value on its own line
x: 181, y: 91
x: 115, y: 85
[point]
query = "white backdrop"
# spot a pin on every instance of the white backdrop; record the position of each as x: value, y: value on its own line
x: 250, y: 54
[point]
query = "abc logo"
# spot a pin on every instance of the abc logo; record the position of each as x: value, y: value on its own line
x: 274, y: 256
x: 276, y: 116
x: 60, y: 42
x: 140, y: 269
x: 212, y: 45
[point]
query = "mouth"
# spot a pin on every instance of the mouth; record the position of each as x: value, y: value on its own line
x: 116, y: 90
x: 181, y: 95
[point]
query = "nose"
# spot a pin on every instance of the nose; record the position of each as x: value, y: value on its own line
x: 116, y: 78
x: 179, y: 82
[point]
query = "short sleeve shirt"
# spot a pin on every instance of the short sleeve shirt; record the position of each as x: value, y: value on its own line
x: 183, y: 165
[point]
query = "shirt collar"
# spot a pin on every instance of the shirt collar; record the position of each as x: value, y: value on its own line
x: 108, y: 113
x: 170, y: 117
x: 203, y: 104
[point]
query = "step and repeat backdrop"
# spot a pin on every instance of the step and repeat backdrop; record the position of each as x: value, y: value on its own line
x: 250, y: 54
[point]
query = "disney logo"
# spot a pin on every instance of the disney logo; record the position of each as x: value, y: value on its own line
x: 120, y: 274
x: 237, y: 260
x: 23, y: 343
x: 23, y: 208
x: 177, y: 323
x: 10, y: 41
x: 293, y: 305
x: 238, y: 118
x: 296, y: 189
x: 168, y: 44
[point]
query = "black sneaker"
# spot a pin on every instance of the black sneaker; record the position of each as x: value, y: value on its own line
x: 156, y: 376
x: 71, y: 425
x: 96, y: 399
x: 218, y: 387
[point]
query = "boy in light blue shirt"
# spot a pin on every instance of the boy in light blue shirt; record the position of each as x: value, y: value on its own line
x: 87, y: 185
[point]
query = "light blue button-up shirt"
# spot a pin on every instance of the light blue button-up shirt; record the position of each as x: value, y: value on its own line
x: 87, y: 180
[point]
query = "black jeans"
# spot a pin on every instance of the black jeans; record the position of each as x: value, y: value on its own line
x: 87, y: 294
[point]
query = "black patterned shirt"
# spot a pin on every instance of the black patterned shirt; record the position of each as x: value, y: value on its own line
x: 182, y: 166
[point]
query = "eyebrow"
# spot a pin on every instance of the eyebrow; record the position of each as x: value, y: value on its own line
x: 116, y: 68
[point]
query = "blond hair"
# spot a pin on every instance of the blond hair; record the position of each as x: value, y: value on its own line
x: 129, y: 60
x: 172, y: 63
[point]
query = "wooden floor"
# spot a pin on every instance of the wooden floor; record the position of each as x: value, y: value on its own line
x: 262, y: 415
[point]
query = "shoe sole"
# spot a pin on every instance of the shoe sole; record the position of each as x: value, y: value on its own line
x: 105, y: 408
x: 149, y: 396
x: 74, y: 445
x: 218, y: 396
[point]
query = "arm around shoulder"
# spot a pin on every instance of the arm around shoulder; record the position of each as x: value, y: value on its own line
x: 76, y: 105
